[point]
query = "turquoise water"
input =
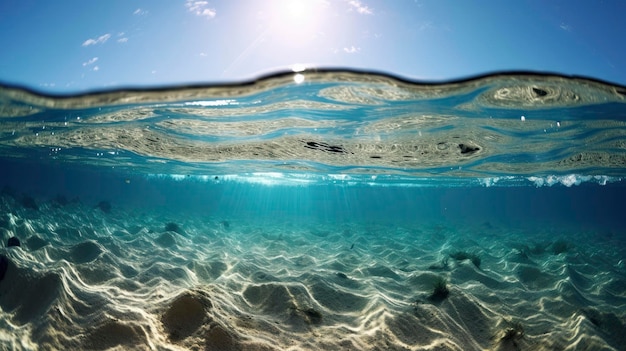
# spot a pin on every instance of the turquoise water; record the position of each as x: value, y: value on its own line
x: 316, y: 210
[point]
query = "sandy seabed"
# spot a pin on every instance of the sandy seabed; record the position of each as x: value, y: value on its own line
x: 96, y: 278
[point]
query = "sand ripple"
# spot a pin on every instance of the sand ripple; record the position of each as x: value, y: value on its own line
x: 124, y: 280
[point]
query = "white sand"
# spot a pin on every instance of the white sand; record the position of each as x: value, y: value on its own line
x: 83, y: 279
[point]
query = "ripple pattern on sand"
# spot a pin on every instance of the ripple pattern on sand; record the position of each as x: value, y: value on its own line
x: 86, y: 279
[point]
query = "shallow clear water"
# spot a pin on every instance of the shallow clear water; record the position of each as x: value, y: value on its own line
x: 316, y: 210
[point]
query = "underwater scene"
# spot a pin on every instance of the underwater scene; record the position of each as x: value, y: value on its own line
x: 316, y: 210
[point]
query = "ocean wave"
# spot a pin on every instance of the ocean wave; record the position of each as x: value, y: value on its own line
x: 335, y: 122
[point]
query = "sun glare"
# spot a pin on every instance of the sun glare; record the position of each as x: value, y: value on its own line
x: 298, y: 19
x: 298, y: 67
x: 289, y: 30
x: 297, y: 8
x: 298, y: 78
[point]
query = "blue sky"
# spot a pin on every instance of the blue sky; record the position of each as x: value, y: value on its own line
x: 73, y: 46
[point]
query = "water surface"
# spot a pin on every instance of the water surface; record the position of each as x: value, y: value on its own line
x: 316, y: 210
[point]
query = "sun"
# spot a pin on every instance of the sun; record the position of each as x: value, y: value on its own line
x: 288, y: 31
x: 296, y: 9
x: 298, y: 19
